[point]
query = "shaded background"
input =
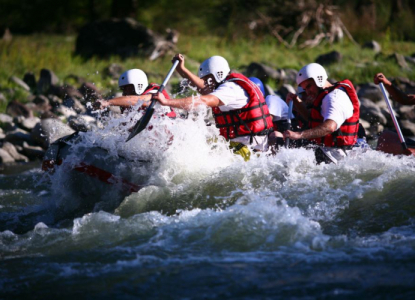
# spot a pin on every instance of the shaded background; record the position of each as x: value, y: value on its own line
x: 232, y: 18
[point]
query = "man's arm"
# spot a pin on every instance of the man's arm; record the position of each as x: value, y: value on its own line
x: 189, y: 102
x: 395, y: 93
x: 327, y: 127
x: 125, y: 101
x: 185, y: 73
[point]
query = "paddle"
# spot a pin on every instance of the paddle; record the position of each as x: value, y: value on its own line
x: 290, y: 114
x: 142, y: 123
x: 395, y: 122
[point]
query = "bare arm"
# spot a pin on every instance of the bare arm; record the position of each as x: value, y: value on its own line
x: 125, y: 101
x: 395, y: 93
x: 189, y: 102
x: 185, y: 73
x: 327, y: 127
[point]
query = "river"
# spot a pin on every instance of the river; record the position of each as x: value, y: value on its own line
x: 208, y: 225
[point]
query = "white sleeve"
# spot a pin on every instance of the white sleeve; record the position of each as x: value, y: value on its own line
x: 231, y: 95
x: 337, y: 106
x: 277, y: 107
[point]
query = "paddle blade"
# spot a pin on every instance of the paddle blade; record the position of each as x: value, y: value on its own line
x: 141, y: 124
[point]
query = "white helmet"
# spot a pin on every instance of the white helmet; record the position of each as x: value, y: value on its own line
x: 217, y: 66
x: 135, y: 77
x: 315, y: 71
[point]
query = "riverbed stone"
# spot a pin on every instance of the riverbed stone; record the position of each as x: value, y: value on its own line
x: 262, y: 72
x: 329, y: 58
x: 6, y: 122
x: 81, y: 123
x: 32, y: 152
x: 5, y: 157
x: 123, y: 37
x: 15, y: 108
x: 53, y: 129
x: 370, y: 91
x: 30, y: 79
x: 18, y: 136
x: 372, y: 45
x: 370, y: 112
x: 47, y: 81
x: 10, y: 148
x: 19, y: 83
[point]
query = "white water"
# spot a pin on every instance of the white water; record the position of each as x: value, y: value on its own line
x: 207, y: 211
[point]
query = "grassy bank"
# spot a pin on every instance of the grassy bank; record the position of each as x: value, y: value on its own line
x: 32, y: 53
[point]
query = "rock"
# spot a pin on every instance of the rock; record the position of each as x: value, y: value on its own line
x: 5, y: 157
x: 407, y: 128
x: 410, y: 60
x: 373, y: 131
x: 399, y: 59
x: 370, y: 91
x: 53, y: 129
x: 19, y: 83
x: 18, y: 136
x: 81, y: 123
x: 329, y: 58
x: 66, y: 111
x: 285, y: 89
x: 372, y: 45
x: 123, y: 37
x: 113, y: 71
x: 89, y: 92
x: 30, y: 79
x: 6, y: 122
x: 406, y: 112
x: 47, y: 82
x: 290, y: 75
x: 32, y: 152
x: 54, y: 101
x: 75, y: 104
x: 262, y: 72
x: 2, y: 135
x: 16, y: 109
x: 269, y: 90
x: 2, y: 98
x: 69, y: 91
x: 13, y: 152
x: 370, y: 112
x: 7, y: 36
x: 28, y: 123
x: 42, y: 103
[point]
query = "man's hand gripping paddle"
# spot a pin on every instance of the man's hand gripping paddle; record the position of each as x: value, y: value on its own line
x: 406, y: 150
x: 142, y: 123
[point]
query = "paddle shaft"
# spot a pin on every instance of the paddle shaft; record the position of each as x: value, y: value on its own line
x: 395, y: 122
x: 163, y: 85
x: 290, y: 113
x: 142, y: 123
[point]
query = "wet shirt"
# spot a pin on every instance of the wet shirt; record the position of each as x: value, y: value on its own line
x: 337, y: 106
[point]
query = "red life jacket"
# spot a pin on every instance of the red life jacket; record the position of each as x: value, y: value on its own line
x: 250, y: 120
x: 154, y: 86
x: 346, y: 135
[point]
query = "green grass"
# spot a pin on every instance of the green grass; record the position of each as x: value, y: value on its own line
x: 32, y: 53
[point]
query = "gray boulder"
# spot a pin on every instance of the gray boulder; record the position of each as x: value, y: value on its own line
x: 30, y: 79
x: 13, y: 152
x: 50, y: 131
x: 370, y: 91
x: 329, y: 58
x: 82, y: 123
x: 32, y: 152
x: 47, y: 83
x: 370, y: 112
x: 6, y: 122
x: 5, y: 157
x: 18, y: 137
x: 16, y: 109
x: 123, y: 37
x: 372, y: 45
x: 399, y: 59
x: 262, y: 72
x: 285, y: 89
x: 407, y: 128
x: 20, y: 83
x: 113, y: 71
